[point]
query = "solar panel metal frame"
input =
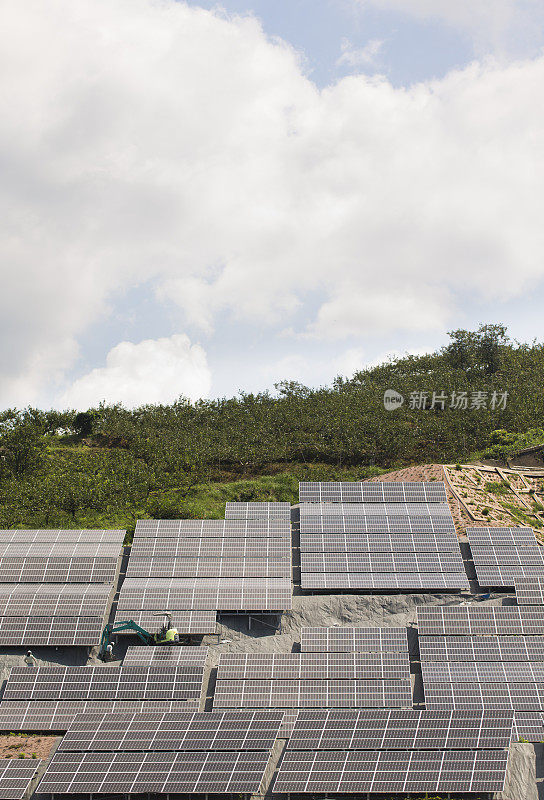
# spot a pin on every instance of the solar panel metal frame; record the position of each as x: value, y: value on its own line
x: 208, y: 568
x: 501, y: 537
x: 49, y: 599
x: 51, y: 631
x: 528, y: 726
x: 273, y: 549
x: 504, y: 576
x: 58, y: 569
x: 312, y: 510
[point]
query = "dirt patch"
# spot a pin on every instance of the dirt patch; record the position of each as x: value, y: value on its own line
x: 15, y: 745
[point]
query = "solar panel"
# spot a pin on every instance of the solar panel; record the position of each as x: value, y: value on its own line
x: 208, y: 568
x: 530, y: 591
x: 229, y: 730
x: 67, y: 599
x: 38, y: 535
x: 273, y: 549
x: 43, y: 550
x: 497, y: 695
x: 57, y: 631
x: 311, y: 510
x: 369, y: 640
x: 157, y: 773
x: 481, y: 648
x: 375, y: 524
x: 226, y: 594
x: 16, y: 775
x: 393, y: 772
x: 501, y: 537
x: 382, y: 562
x: 504, y: 576
x: 312, y: 693
x: 510, y: 671
x: 212, y: 528
x: 185, y: 622
x: 528, y: 726
x: 258, y: 510
x: 379, y: 543
x: 104, y: 683
x: 372, y: 492
x: 478, y: 621
x: 336, y: 666
x: 486, y: 556
x: 384, y: 580
x: 58, y: 569
x: 149, y: 656
x: 286, y: 727
x: 58, y: 715
x: 388, y: 729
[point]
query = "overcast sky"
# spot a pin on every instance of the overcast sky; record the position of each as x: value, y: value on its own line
x: 199, y: 199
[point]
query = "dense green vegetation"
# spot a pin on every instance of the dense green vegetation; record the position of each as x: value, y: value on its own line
x: 109, y: 466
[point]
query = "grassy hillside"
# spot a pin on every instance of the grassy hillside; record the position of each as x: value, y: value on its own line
x: 108, y: 466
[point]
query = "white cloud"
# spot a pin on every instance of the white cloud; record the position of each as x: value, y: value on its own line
x: 152, y: 371
x: 146, y: 141
x: 491, y: 23
x: 360, y: 57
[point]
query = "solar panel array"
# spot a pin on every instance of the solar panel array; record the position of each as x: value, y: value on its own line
x: 165, y: 753
x: 392, y: 771
x: 364, y: 640
x: 16, y: 775
x: 242, y: 563
x: 415, y: 546
x: 484, y: 658
x: 56, y: 586
x: 173, y: 731
x: 105, y: 683
x: 480, y: 621
x: 312, y: 693
x: 530, y: 591
x: 481, y: 648
x: 528, y: 726
x: 501, y: 555
x: 58, y: 715
x: 329, y: 666
x: 213, y: 772
x: 395, y: 752
x: 258, y: 511
x: 149, y: 656
x: 401, y: 730
x: 372, y: 492
x: 211, y: 528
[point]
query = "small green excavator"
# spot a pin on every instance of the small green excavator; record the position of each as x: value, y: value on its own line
x: 167, y: 634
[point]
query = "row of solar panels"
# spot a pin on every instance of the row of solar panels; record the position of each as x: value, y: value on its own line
x: 229, y: 753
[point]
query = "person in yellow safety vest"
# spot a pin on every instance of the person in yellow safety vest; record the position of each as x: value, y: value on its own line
x: 171, y: 635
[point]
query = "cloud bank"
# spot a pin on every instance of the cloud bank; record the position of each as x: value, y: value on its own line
x: 145, y: 141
